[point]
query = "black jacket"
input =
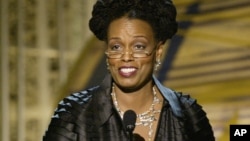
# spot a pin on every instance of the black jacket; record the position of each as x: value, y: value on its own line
x: 90, y: 116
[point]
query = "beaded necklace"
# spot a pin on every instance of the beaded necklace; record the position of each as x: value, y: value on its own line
x: 146, y: 118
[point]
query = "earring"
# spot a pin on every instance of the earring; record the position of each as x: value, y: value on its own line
x: 107, y: 63
x: 157, y: 64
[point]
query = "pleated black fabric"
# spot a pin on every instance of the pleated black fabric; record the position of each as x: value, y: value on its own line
x: 90, y: 116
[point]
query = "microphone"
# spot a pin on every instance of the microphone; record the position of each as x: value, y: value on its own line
x: 129, y: 119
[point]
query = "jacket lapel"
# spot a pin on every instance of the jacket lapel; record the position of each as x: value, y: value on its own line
x: 102, y: 101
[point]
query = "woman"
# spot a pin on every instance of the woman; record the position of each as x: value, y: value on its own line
x: 135, y: 32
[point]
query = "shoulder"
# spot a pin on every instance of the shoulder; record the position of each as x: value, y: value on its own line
x: 189, y: 105
x: 186, y: 101
x: 79, y: 98
x: 196, y: 118
x: 177, y: 101
x: 74, y: 103
x: 63, y: 124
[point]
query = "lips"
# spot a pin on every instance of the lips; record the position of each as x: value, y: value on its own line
x: 127, y: 71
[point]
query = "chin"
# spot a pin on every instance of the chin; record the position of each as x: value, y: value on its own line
x: 126, y: 83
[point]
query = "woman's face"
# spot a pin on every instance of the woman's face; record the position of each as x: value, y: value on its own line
x: 126, y: 35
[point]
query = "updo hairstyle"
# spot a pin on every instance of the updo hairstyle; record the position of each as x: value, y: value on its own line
x: 160, y: 14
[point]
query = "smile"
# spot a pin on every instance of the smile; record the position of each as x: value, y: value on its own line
x: 127, y: 71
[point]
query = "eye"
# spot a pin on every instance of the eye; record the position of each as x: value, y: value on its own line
x: 115, y: 47
x: 139, y: 47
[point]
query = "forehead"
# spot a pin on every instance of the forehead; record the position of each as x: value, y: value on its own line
x: 125, y: 27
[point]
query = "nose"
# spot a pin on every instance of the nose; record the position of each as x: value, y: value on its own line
x: 127, y: 55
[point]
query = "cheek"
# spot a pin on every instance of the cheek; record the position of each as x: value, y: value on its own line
x: 112, y: 64
x: 147, y: 65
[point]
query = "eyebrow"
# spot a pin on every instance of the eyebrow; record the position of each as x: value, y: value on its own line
x: 112, y: 38
x: 139, y: 36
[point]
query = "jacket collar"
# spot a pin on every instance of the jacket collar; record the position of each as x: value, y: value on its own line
x: 171, y: 97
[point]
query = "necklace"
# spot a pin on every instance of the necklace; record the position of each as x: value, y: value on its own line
x: 146, y: 118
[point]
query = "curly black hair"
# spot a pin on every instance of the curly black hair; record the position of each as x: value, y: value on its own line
x: 160, y: 14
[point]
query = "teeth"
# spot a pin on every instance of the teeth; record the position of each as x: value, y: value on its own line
x: 127, y: 70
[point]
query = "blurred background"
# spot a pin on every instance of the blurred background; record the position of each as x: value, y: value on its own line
x: 48, y: 52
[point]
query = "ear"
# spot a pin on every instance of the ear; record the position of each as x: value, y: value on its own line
x: 159, y: 50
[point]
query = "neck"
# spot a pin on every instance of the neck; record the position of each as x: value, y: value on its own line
x: 139, y: 100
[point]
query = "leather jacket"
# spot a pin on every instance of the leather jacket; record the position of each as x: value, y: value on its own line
x: 91, y: 116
